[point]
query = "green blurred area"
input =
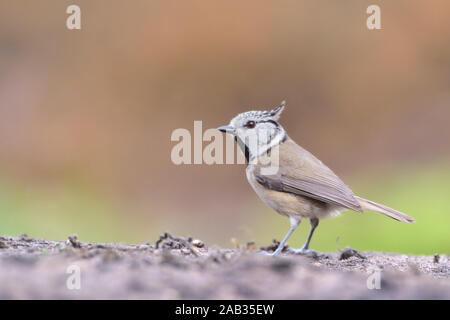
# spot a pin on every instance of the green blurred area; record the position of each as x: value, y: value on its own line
x: 54, y: 212
x: 422, y: 192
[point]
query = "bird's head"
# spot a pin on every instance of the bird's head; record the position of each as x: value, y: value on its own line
x: 257, y: 131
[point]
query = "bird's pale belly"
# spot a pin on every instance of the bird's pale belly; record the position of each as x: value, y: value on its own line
x: 289, y: 204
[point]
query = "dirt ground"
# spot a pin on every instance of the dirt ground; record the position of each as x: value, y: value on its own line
x: 177, y: 268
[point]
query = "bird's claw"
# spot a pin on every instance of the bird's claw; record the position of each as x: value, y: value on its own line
x: 269, y: 254
x: 301, y: 251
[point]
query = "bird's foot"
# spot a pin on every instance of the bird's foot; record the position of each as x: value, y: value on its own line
x: 270, y: 254
x: 303, y: 251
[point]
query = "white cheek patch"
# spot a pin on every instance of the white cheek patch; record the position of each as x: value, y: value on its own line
x: 267, y: 139
x: 250, y: 138
x: 260, y: 139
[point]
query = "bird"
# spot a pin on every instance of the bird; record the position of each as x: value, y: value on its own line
x: 300, y: 186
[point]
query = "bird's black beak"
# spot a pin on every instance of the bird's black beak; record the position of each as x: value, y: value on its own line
x: 226, y: 129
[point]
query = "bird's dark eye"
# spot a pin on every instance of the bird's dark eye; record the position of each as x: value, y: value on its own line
x: 250, y: 124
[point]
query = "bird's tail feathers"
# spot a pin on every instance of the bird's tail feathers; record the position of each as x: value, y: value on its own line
x: 379, y: 208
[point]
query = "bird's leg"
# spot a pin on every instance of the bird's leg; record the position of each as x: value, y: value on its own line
x: 305, y: 249
x: 294, y: 224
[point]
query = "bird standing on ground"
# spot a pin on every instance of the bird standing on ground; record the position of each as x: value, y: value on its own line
x: 301, y: 186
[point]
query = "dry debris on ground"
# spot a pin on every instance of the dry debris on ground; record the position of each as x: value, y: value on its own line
x: 179, y: 268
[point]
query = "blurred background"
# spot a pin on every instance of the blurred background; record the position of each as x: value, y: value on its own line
x: 86, y: 116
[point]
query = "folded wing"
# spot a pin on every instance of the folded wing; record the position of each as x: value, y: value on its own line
x: 303, y: 174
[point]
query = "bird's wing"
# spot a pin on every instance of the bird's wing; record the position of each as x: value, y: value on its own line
x: 303, y: 174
